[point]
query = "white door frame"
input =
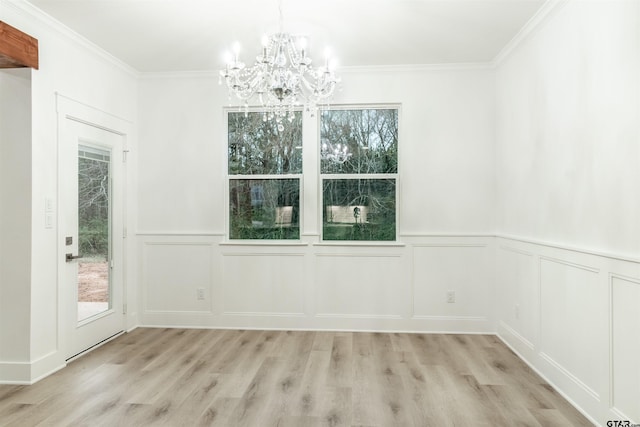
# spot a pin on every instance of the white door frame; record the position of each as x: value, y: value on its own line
x: 69, y: 109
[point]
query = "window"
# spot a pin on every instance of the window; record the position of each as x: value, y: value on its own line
x: 265, y: 168
x: 359, y: 172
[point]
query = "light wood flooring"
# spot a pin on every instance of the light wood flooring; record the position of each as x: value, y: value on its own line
x: 193, y: 377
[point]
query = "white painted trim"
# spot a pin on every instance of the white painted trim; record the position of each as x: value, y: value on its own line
x: 262, y: 254
x: 247, y: 242
x: 361, y: 243
x: 564, y: 371
x: 528, y: 240
x: 179, y: 234
x: 517, y: 335
x: 32, y: 12
x: 451, y: 318
x: 359, y: 316
x: 68, y: 108
x: 612, y: 402
x: 175, y: 243
x: 15, y: 372
x: 568, y: 264
x: 79, y: 111
x: 383, y: 331
x: 545, y: 378
x: 449, y: 245
x: 535, y: 23
x: 515, y: 250
x: 357, y: 255
x: 184, y: 312
x: 412, y: 68
x: 28, y: 373
x: 261, y: 314
x: 588, y: 251
x: 450, y: 234
x: 187, y: 75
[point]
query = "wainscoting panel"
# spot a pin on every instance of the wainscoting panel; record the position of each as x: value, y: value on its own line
x: 571, y: 316
x: 519, y: 296
x: 360, y: 285
x: 625, y: 346
x: 311, y: 285
x: 462, y: 269
x: 177, y: 276
x: 263, y: 283
x: 585, y: 337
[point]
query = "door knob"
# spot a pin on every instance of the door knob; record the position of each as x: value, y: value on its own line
x: 70, y: 257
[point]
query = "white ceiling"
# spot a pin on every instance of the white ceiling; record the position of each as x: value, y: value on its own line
x: 192, y: 35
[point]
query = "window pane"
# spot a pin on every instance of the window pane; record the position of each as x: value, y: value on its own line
x: 264, y: 208
x: 359, y: 141
x: 359, y: 209
x: 256, y: 147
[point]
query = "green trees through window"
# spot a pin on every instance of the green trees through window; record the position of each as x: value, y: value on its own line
x: 358, y: 150
x: 359, y: 166
x: 265, y: 166
x: 93, y: 202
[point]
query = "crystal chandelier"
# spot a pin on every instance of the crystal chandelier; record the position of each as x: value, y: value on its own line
x: 281, y: 79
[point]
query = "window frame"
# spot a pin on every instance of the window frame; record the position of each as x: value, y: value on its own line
x: 355, y: 176
x: 229, y: 177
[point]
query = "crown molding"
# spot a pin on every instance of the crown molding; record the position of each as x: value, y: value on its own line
x: 416, y: 67
x: 533, y: 25
x: 30, y: 12
x: 159, y: 75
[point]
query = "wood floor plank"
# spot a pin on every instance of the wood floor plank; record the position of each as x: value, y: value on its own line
x: 197, y: 377
x: 294, y: 351
x: 309, y: 395
x: 219, y: 412
x: 503, y: 397
x: 236, y: 383
x: 253, y: 403
x: 339, y: 373
x: 425, y: 399
x: 336, y: 407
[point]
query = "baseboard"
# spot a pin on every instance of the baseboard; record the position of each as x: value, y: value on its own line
x: 27, y: 373
x: 544, y: 377
x: 322, y: 322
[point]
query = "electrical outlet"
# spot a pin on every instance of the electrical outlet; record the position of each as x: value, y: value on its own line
x: 200, y: 293
x: 451, y: 297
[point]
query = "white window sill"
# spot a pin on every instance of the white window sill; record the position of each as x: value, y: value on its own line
x: 263, y: 243
x: 360, y: 243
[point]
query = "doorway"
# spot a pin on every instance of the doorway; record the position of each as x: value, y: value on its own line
x: 90, y: 227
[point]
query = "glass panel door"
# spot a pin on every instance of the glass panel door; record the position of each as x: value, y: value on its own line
x: 94, y: 231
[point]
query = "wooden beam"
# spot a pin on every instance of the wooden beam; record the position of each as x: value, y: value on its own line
x: 17, y: 49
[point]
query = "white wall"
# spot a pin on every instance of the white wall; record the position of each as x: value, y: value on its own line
x: 568, y: 157
x: 446, y: 184
x: 567, y: 103
x: 77, y: 70
x: 15, y: 214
